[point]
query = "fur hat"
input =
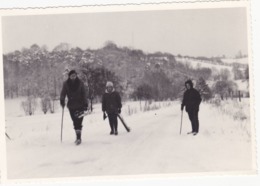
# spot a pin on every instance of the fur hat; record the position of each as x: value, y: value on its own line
x: 109, y: 84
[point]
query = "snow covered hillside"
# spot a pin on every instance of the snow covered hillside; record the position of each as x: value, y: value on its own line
x: 208, y: 64
x: 154, y: 146
x: 243, y: 61
x: 202, y: 64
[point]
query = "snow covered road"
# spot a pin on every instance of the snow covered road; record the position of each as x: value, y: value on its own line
x: 154, y: 145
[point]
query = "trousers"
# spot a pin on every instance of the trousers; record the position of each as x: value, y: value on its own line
x: 193, y: 116
x: 77, y: 122
x: 113, y: 121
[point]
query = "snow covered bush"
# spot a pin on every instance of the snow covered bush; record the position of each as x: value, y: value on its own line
x: 240, y: 115
x: 166, y: 104
x: 131, y: 110
x: 224, y: 88
x: 29, y: 105
x: 235, y: 111
x: 149, y: 106
x: 203, y: 89
x: 53, y: 105
x: 45, y: 104
x: 216, y: 101
x: 234, y: 108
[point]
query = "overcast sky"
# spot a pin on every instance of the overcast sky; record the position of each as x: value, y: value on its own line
x: 202, y: 32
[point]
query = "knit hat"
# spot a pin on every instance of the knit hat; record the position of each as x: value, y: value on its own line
x: 72, y: 72
x: 109, y: 84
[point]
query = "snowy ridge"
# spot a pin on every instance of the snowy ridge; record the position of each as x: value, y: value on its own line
x: 202, y: 63
x: 243, y: 61
x: 227, y: 63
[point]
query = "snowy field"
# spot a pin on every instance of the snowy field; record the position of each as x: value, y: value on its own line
x: 154, y: 146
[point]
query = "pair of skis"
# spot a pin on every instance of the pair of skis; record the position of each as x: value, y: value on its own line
x: 122, y: 121
x: 81, y: 114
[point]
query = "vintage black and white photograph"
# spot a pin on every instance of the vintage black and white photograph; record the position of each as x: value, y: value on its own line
x: 121, y: 92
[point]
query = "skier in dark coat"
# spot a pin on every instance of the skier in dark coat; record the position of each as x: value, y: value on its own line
x: 191, y: 101
x: 75, y: 90
x: 111, y: 104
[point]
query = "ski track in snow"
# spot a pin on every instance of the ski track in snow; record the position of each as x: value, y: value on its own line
x: 154, y: 145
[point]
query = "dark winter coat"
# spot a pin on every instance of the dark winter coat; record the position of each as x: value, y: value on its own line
x: 111, y: 102
x: 76, y: 93
x: 191, y: 99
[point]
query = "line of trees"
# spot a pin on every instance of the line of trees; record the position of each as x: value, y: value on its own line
x: 36, y: 72
x: 39, y: 72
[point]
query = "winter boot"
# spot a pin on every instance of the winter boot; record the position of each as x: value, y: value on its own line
x: 195, y: 133
x: 115, y: 125
x: 78, y: 134
x: 112, y: 128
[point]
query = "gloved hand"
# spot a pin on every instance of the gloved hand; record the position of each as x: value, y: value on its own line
x: 85, y: 108
x: 104, y: 115
x: 182, y: 106
x: 119, y: 110
x: 62, y: 103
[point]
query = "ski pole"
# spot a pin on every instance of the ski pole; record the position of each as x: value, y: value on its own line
x: 61, y: 124
x: 181, y: 121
